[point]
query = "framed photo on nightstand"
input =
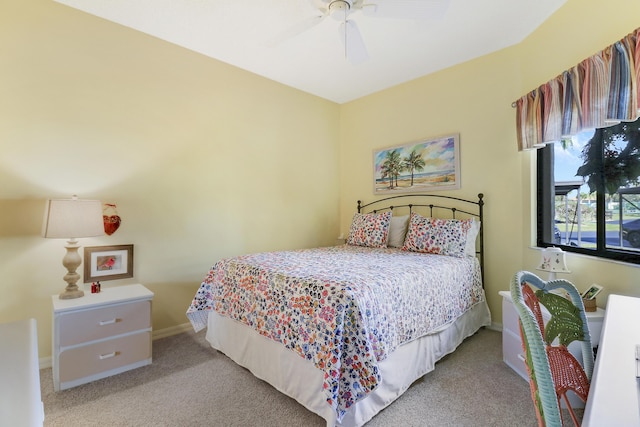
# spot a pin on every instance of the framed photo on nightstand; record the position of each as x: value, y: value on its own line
x: 108, y: 262
x: 592, y: 292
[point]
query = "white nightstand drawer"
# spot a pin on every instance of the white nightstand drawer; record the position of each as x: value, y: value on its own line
x: 513, y: 353
x: 88, y: 325
x: 510, y: 318
x: 103, y: 356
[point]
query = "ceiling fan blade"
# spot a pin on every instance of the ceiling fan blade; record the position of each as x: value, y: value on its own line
x: 406, y: 9
x: 297, y: 29
x: 354, y: 48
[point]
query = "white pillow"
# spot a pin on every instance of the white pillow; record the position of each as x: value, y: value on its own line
x: 398, y: 230
x: 470, y: 246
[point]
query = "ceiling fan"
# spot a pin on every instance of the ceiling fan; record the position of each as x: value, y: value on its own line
x: 342, y: 11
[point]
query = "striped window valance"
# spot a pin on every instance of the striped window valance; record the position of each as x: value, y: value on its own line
x: 600, y: 91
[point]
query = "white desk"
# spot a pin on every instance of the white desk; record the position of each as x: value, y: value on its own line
x: 20, y: 400
x: 613, y: 397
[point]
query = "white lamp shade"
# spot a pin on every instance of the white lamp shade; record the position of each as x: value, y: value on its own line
x: 72, y: 218
x: 553, y: 260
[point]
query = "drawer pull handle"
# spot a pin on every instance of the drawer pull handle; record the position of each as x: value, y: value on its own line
x: 108, y: 355
x: 521, y: 356
x: 108, y: 322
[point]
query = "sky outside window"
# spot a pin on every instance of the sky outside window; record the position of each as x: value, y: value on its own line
x: 567, y: 161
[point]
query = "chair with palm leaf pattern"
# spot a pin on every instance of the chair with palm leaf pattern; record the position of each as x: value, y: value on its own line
x: 553, y: 370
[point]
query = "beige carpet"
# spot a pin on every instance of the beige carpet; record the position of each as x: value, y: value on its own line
x: 190, y: 384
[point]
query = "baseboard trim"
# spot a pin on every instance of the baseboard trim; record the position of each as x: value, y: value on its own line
x: 495, y: 326
x: 172, y: 330
x: 46, y: 362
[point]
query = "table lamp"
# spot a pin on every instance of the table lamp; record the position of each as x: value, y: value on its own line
x: 71, y: 219
x: 553, y: 261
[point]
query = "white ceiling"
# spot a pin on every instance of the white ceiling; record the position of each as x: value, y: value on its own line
x: 241, y: 32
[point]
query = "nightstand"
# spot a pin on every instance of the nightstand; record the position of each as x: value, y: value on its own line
x: 512, y: 352
x: 100, y: 335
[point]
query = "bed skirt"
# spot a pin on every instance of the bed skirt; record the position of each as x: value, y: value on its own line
x: 301, y: 380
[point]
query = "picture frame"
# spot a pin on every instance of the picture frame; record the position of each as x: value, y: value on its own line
x: 108, y: 262
x: 420, y: 166
x: 592, y: 292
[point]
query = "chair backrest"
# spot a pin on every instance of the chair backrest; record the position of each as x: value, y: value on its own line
x: 568, y: 323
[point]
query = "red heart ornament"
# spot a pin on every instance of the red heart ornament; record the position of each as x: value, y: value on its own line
x: 111, y: 223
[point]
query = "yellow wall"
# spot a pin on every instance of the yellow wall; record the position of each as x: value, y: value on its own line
x: 202, y: 159
x: 474, y: 99
x: 206, y: 161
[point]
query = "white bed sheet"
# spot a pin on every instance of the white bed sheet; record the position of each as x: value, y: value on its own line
x: 301, y: 380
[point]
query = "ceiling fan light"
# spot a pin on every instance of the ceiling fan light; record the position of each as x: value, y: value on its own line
x: 339, y: 10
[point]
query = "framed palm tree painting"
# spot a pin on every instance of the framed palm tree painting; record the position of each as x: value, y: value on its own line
x: 420, y: 166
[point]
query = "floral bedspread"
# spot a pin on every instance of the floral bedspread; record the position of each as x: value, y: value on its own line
x: 345, y: 308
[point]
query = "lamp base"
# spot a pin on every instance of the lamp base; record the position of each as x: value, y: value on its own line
x: 71, y: 261
x: 71, y: 293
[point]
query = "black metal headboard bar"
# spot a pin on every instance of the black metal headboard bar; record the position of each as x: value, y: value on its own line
x: 477, y: 211
x: 479, y: 202
x: 430, y: 206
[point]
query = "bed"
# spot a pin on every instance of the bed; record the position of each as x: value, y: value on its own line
x: 345, y: 330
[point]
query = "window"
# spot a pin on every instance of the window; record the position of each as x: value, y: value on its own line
x: 589, y: 193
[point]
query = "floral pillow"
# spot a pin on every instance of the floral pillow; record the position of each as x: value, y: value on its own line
x: 437, y: 236
x: 371, y: 230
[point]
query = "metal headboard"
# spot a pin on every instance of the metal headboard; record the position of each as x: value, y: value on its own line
x: 434, y: 203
